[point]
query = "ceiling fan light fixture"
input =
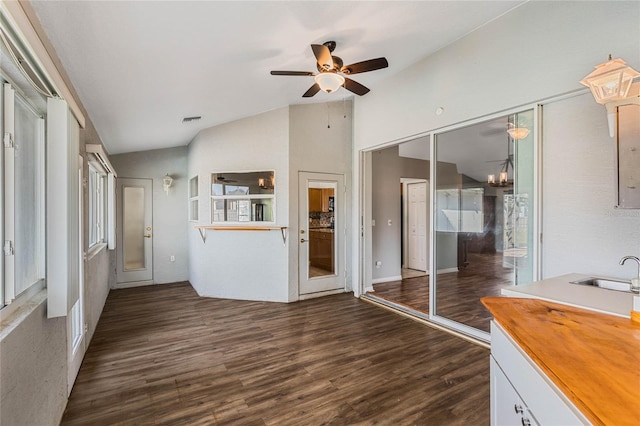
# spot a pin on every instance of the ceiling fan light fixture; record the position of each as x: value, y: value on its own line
x: 329, y: 81
x: 518, y: 133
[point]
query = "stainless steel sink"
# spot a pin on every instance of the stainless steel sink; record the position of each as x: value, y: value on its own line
x: 607, y: 283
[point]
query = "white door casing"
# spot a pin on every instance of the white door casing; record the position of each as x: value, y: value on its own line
x: 331, y: 281
x: 417, y: 225
x: 135, y: 232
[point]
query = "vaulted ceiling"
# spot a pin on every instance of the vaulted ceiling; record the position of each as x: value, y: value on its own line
x: 140, y: 67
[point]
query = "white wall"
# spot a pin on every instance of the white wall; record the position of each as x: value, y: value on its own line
x: 582, y: 231
x: 314, y: 147
x: 249, y: 265
x: 538, y: 51
x: 169, y: 210
x: 387, y: 169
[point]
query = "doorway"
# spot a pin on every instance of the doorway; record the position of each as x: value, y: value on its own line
x: 321, y: 234
x: 416, y: 225
x: 135, y: 236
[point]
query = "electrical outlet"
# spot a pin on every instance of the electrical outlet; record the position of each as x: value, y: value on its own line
x: 172, y: 258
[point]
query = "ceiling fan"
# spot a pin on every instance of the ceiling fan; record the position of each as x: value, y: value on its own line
x: 331, y: 71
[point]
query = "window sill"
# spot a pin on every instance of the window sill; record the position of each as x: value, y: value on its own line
x: 94, y: 250
x: 12, y: 315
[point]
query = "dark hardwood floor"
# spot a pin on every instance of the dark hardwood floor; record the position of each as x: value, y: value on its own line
x: 459, y: 293
x: 163, y: 355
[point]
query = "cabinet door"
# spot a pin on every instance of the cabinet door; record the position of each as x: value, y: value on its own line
x: 315, y: 199
x: 507, y: 408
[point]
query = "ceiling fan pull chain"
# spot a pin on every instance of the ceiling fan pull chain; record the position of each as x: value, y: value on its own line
x: 328, y: 117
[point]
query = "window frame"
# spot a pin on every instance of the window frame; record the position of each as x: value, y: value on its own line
x: 97, y: 203
x: 250, y: 197
x: 194, y: 204
x: 10, y: 289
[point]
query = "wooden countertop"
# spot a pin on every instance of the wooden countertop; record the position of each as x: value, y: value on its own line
x: 593, y: 358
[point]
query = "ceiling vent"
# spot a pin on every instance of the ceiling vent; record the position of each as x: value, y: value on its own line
x: 190, y: 119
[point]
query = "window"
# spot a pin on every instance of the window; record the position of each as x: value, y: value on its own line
x: 243, y: 197
x: 97, y: 204
x: 193, y: 198
x: 23, y: 212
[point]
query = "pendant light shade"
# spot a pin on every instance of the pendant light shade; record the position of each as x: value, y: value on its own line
x: 329, y: 82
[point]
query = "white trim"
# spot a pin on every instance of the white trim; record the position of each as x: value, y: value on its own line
x: 101, y: 158
x: 94, y: 250
x: 386, y: 279
x: 62, y: 212
x: 116, y: 286
x: 23, y: 28
x: 447, y: 270
x: 320, y: 294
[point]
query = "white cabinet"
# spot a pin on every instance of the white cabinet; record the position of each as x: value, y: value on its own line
x: 507, y: 408
x: 521, y: 394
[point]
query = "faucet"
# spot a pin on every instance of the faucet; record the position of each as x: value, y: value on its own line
x: 635, y: 283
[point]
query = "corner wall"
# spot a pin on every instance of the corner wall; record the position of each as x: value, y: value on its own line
x: 315, y: 147
x: 248, y: 265
x: 169, y: 210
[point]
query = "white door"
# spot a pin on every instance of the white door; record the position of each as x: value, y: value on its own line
x: 417, y: 220
x: 321, y: 234
x: 135, y: 232
x: 75, y: 321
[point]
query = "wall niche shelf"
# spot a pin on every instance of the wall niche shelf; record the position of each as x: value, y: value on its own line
x: 203, y: 230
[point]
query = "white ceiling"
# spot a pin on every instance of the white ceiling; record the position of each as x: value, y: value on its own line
x: 139, y: 67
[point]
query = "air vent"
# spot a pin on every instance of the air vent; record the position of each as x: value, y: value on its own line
x: 190, y: 119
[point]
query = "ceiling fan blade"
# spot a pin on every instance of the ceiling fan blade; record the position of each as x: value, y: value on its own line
x: 302, y: 73
x: 312, y: 91
x: 365, y: 66
x: 355, y: 87
x: 323, y: 56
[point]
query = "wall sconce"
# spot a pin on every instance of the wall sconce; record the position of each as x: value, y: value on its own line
x: 611, y: 84
x: 166, y: 183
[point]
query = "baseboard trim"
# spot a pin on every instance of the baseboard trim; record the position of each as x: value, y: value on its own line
x: 386, y: 279
x: 118, y: 286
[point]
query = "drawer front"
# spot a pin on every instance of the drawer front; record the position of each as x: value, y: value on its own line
x: 547, y: 403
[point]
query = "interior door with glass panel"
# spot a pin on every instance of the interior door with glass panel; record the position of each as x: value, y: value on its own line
x: 321, y: 233
x: 135, y: 233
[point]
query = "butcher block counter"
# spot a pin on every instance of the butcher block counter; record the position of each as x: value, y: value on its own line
x: 592, y: 358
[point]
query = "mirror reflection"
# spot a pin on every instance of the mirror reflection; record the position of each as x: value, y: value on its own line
x: 482, y: 198
x: 243, y: 197
x: 321, y: 209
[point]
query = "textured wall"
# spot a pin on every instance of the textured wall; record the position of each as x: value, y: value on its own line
x: 582, y: 231
x: 33, y: 370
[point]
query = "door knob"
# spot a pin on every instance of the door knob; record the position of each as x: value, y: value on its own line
x: 302, y: 240
x: 147, y: 235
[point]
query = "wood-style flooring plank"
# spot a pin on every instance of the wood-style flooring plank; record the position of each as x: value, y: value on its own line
x: 458, y: 293
x: 161, y: 355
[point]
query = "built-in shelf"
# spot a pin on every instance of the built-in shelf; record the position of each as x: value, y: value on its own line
x: 203, y: 230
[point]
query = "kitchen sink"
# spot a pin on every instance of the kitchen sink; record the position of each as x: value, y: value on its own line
x: 606, y: 283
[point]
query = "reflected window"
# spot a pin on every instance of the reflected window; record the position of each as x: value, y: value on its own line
x: 241, y: 197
